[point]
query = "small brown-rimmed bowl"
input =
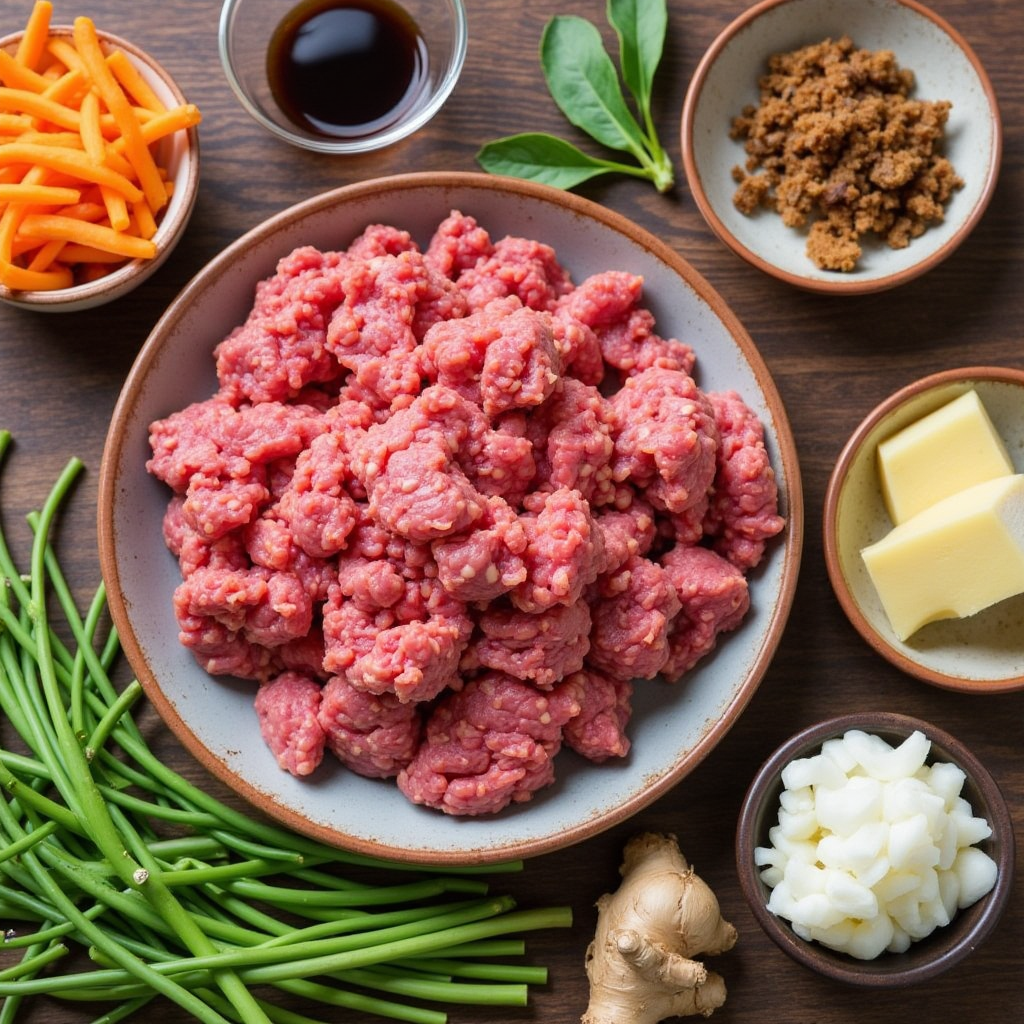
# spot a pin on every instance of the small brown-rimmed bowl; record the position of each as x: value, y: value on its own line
x: 177, y: 153
x: 673, y: 727
x: 980, y: 654
x: 945, y: 946
x: 726, y: 81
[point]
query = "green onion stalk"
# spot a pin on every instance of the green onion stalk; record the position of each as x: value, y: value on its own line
x: 121, y: 882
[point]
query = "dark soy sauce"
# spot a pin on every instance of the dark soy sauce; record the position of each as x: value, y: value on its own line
x: 346, y: 68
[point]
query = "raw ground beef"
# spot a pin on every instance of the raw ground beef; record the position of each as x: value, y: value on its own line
x: 448, y: 508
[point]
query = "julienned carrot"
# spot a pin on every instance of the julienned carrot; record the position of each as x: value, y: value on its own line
x: 77, y: 252
x: 45, y: 255
x: 133, y: 83
x: 145, y: 222
x: 25, y: 101
x: 167, y: 123
x: 48, y: 227
x: 61, y: 50
x: 95, y: 147
x: 89, y: 127
x: 79, y: 185
x: 38, y: 195
x: 17, y: 75
x: 88, y: 45
x: 68, y: 161
x: 65, y: 86
x: 37, y: 30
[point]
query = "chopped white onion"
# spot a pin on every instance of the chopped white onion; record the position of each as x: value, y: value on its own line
x: 874, y: 848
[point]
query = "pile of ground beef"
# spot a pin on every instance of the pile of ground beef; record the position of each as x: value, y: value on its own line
x: 447, y: 508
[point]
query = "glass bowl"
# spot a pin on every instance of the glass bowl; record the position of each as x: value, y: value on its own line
x: 247, y: 40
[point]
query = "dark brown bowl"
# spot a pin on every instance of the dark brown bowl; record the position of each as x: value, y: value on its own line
x: 927, y: 957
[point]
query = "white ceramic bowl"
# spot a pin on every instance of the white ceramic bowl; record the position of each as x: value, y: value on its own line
x: 981, y: 654
x: 726, y: 81
x: 673, y: 728
x: 178, y: 153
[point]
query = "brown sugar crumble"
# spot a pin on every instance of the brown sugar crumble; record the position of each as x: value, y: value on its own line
x: 837, y: 140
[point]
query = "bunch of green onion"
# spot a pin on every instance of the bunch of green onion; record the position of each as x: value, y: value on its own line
x: 128, y: 883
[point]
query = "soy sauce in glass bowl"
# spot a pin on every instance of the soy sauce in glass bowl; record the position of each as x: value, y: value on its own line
x: 342, y: 76
x: 346, y: 68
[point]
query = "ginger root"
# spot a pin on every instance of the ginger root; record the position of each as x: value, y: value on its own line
x: 640, y: 964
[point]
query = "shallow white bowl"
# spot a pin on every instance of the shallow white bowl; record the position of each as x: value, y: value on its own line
x: 726, y: 81
x: 179, y: 154
x: 981, y: 654
x: 673, y: 727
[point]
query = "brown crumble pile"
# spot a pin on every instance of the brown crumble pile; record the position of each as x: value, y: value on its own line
x: 837, y: 139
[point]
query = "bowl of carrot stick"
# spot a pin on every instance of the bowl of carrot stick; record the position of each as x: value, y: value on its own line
x: 99, y: 164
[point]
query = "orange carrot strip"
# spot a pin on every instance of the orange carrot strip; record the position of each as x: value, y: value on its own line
x: 169, y: 122
x: 15, y: 122
x: 23, y: 280
x: 64, y: 89
x: 111, y: 128
x: 17, y: 76
x: 20, y: 246
x: 37, y: 31
x: 117, y: 103
x: 133, y: 83
x: 49, y: 226
x: 144, y: 220
x: 85, y: 211
x: 46, y: 254
x: 27, y: 102
x: 71, y: 140
x: 117, y: 209
x: 19, y: 278
x: 68, y: 161
x: 60, y: 49
x: 42, y: 195
x: 75, y: 252
x: 89, y: 127
x: 116, y: 162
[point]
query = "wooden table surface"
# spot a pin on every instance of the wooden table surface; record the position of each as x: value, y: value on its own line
x: 832, y: 360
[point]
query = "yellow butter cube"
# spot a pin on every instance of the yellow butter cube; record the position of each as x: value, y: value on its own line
x: 958, y: 556
x: 952, y: 448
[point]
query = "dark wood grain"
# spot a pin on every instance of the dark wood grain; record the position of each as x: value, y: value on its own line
x: 831, y: 359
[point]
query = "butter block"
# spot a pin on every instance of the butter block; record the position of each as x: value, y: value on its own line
x: 950, y: 449
x: 958, y: 556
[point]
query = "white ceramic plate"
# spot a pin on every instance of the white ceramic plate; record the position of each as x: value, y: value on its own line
x: 726, y: 81
x: 673, y: 727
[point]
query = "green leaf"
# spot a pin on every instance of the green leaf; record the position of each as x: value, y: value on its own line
x: 583, y: 82
x: 537, y: 156
x: 640, y: 26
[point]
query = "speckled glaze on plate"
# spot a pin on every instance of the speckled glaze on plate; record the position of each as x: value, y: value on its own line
x: 674, y: 727
x: 178, y: 153
x: 945, y: 947
x: 980, y: 654
x: 726, y: 80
